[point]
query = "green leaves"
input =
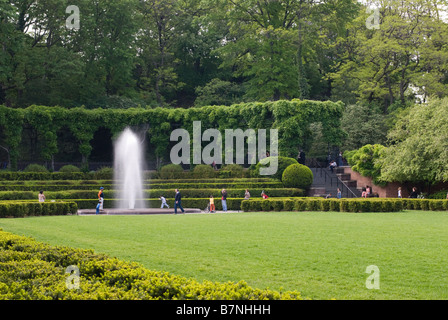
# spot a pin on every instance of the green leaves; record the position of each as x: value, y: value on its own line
x: 419, y: 144
x: 291, y: 118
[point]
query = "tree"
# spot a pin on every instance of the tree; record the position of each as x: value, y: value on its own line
x: 365, y: 161
x: 405, y: 56
x: 364, y: 125
x: 418, y: 145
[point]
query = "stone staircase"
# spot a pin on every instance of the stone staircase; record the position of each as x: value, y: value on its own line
x: 327, y: 182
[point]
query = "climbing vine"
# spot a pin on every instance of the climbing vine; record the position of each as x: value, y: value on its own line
x: 291, y: 118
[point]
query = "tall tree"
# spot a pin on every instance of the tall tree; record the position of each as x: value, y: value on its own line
x: 405, y: 55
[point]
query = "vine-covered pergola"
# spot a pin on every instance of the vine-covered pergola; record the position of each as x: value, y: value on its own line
x: 291, y: 118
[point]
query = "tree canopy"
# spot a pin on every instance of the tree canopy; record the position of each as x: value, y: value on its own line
x: 182, y: 53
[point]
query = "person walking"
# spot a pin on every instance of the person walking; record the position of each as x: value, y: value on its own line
x: 414, y: 193
x: 224, y: 200
x: 177, y: 202
x: 41, y: 196
x: 212, y: 204
x: 164, y: 204
x: 100, y: 205
x: 339, y: 194
x: 399, y: 192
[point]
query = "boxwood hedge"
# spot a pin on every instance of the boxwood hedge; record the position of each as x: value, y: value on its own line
x: 23, y: 209
x: 344, y: 205
x: 33, y: 270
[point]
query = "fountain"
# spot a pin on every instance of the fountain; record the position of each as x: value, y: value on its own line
x: 128, y: 179
x: 128, y: 171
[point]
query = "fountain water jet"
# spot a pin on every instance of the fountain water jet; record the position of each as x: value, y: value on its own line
x: 128, y: 171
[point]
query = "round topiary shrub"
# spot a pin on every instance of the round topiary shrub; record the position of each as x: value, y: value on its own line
x: 204, y: 171
x: 69, y: 168
x: 35, y: 168
x: 297, y: 176
x: 171, y: 171
x: 283, y: 163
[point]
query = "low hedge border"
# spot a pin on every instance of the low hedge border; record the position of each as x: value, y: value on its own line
x: 344, y: 205
x: 12, y: 209
x: 33, y: 270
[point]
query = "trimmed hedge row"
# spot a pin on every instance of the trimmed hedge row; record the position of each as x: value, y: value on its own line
x: 33, y: 270
x: 20, y: 175
x: 344, y: 205
x: 25, y: 209
x: 111, y: 182
x: 151, y: 193
x: 183, y: 185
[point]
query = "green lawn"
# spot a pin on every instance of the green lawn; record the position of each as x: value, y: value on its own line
x: 324, y: 255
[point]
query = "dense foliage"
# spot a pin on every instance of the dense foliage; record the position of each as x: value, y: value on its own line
x: 36, y: 271
x: 127, y: 53
x: 419, y: 145
x: 297, y: 176
x: 78, y: 126
x: 282, y: 164
x: 365, y: 161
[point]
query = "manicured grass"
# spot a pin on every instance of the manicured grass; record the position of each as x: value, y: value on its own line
x: 324, y: 255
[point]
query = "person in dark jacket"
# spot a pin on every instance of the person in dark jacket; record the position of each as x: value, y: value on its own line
x: 177, y: 202
x: 414, y: 193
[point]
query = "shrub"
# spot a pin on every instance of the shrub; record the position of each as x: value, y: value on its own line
x: 235, y: 170
x: 439, y: 195
x: 35, y: 168
x: 336, y: 205
x: 297, y: 176
x: 204, y: 171
x: 69, y: 168
x: 33, y: 270
x: 283, y: 163
x: 24, y: 209
x: 170, y: 171
x: 104, y: 173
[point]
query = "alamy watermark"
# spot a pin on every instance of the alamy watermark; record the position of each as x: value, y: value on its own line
x: 373, y: 21
x: 73, y: 21
x: 72, y: 281
x: 373, y: 281
x: 234, y: 139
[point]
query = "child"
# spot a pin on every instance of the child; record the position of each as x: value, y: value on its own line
x: 212, y: 204
x: 164, y: 204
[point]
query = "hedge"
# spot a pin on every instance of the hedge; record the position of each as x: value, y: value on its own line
x: 343, y: 205
x: 33, y: 270
x: 151, y: 193
x: 10, y: 209
x: 290, y: 118
x: 148, y: 181
x: 184, y: 185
